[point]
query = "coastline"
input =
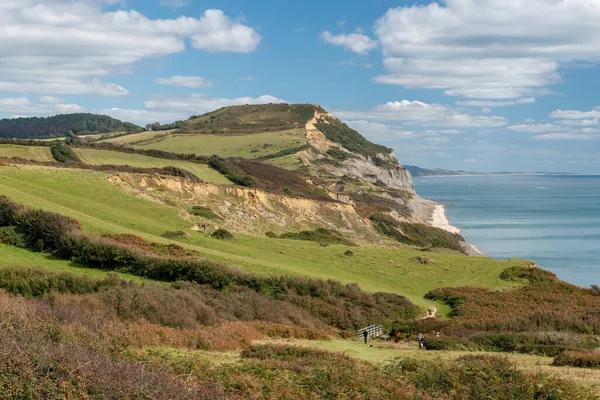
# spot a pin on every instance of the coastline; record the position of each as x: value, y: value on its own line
x: 496, y: 175
x: 440, y: 220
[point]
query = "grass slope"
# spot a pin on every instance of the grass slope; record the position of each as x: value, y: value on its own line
x: 101, y: 208
x: 99, y: 157
x: 38, y: 153
x: 233, y: 145
x: 251, y: 119
x: 11, y: 256
x: 135, y: 137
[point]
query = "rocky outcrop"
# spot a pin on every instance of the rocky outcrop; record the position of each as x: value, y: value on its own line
x: 355, y: 166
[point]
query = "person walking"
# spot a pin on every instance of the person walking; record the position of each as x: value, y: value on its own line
x: 366, y: 335
x: 421, y: 340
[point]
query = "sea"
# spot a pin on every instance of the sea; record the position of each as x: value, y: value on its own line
x: 551, y: 220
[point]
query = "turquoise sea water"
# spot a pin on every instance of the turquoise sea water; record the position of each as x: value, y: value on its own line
x: 551, y: 220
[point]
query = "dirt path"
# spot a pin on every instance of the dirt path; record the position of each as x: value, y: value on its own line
x: 431, y: 313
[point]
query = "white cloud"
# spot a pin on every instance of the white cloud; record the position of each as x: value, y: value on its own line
x: 356, y: 42
x: 65, y: 86
x: 171, y: 108
x: 419, y: 113
x: 380, y: 132
x: 144, y: 117
x: 70, y: 47
x: 575, y: 114
x: 580, y: 122
x: 536, y: 128
x: 492, y: 103
x: 437, y: 139
x: 23, y: 106
x: 50, y: 100
x: 489, y: 49
x: 567, y: 136
x: 175, y: 3
x: 202, y: 103
x: 215, y: 32
x: 185, y: 81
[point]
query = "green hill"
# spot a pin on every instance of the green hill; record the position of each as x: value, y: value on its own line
x: 64, y: 125
x: 124, y: 276
x: 255, y: 131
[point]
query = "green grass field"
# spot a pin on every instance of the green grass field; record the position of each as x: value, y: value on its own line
x: 15, y: 257
x: 101, y: 208
x: 135, y: 137
x: 38, y: 153
x: 225, y: 145
x: 99, y: 157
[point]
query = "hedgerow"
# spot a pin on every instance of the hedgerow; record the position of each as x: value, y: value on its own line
x: 581, y: 359
x: 63, y: 153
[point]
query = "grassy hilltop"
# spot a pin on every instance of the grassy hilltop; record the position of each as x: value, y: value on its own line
x: 105, y: 270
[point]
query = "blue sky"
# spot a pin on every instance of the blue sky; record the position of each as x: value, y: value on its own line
x: 478, y: 85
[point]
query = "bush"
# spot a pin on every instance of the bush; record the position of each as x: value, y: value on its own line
x: 36, y: 283
x: 63, y: 153
x: 544, y: 304
x: 340, y: 133
x: 204, y: 212
x: 222, y: 234
x: 277, y: 371
x: 10, y: 236
x: 321, y: 235
x: 588, y: 359
x: 175, y: 235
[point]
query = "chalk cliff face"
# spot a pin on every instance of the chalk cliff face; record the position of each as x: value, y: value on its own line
x: 380, y: 168
x: 394, y: 177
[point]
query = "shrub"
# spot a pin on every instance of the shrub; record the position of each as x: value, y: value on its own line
x: 222, y: 234
x: 544, y: 304
x: 277, y: 371
x: 10, y: 236
x: 340, y: 133
x: 36, y: 283
x: 175, y: 235
x: 587, y: 359
x: 63, y: 153
x: 416, y: 234
x: 321, y: 235
x: 204, y: 212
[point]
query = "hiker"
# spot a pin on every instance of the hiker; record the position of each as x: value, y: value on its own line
x: 366, y: 335
x: 203, y: 228
x: 208, y: 233
x: 421, y: 340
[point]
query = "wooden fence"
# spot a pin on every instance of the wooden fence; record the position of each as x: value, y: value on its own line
x: 373, y: 331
